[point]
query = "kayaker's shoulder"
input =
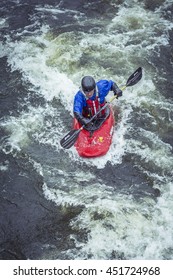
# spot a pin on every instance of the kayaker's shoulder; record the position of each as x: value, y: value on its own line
x: 79, y: 94
x: 104, y: 82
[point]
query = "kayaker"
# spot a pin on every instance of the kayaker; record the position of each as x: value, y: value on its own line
x: 91, y: 97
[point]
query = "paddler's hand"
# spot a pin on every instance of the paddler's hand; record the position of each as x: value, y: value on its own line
x: 85, y: 121
x: 117, y: 91
x: 81, y: 119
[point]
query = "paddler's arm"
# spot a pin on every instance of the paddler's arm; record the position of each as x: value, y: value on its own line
x: 81, y: 119
x: 79, y: 104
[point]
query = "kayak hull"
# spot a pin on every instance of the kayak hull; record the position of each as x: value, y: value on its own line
x: 95, y: 143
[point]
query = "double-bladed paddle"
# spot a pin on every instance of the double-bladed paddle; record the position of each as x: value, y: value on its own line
x: 70, y: 138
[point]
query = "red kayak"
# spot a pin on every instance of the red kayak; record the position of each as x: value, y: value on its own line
x: 95, y: 141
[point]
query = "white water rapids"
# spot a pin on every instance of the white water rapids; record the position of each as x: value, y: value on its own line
x: 52, y: 63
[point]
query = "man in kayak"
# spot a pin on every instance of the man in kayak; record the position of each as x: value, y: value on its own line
x: 91, y: 97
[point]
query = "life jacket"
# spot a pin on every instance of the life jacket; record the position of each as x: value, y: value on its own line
x: 93, y: 106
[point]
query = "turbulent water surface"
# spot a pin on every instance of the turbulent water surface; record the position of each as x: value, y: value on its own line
x: 54, y: 204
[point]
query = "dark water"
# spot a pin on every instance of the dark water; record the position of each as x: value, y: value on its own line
x: 55, y: 205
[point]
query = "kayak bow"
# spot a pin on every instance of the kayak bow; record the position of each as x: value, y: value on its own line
x: 95, y: 143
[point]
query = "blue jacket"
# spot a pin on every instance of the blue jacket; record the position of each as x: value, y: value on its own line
x: 103, y: 87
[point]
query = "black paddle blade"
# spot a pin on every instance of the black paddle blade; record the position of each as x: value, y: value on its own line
x: 70, y: 138
x: 134, y: 78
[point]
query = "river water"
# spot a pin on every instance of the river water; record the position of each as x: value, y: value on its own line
x: 54, y: 204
